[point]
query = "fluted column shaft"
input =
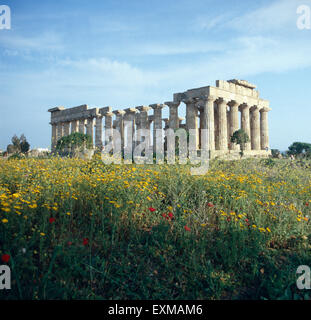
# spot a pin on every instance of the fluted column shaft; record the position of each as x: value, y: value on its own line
x: 264, y: 129
x: 66, y: 129
x: 74, y: 126
x: 173, y: 114
x: 59, y: 130
x: 222, y: 127
x: 210, y: 122
x: 191, y: 118
x: 120, y: 125
x: 233, y: 123
x: 245, y: 123
x: 157, y: 124
x: 54, y: 136
x: 108, y: 125
x: 99, y: 132
x: 255, y: 128
x: 90, y: 128
x: 82, y: 126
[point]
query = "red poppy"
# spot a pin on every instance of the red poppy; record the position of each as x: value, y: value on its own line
x: 307, y: 203
x: 210, y: 205
x: 163, y: 215
x: 69, y: 243
x: 152, y: 209
x: 187, y: 228
x: 51, y: 220
x: 170, y: 214
x: 5, y: 258
x: 246, y: 220
x: 228, y: 219
x: 85, y: 241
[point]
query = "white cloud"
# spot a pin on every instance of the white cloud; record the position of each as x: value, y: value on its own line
x: 44, y: 42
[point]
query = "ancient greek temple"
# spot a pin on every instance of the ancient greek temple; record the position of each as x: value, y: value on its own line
x: 221, y: 109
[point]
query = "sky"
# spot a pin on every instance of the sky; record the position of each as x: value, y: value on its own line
x: 127, y: 53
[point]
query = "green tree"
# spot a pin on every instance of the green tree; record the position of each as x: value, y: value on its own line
x: 74, y: 143
x: 300, y: 149
x: 240, y: 137
x: 19, y: 145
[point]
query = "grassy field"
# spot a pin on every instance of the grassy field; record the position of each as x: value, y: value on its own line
x: 74, y: 229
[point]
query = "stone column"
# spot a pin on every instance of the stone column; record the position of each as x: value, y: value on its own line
x: 59, y: 130
x: 157, y: 123
x: 233, y: 122
x: 255, y: 128
x: 99, y: 132
x: 245, y: 122
x: 143, y: 120
x: 173, y: 114
x: 90, y: 128
x: 216, y: 124
x: 120, y: 125
x: 209, y: 109
x: 66, y: 129
x: 191, y: 117
x: 74, y: 126
x: 264, y: 129
x: 54, y: 137
x: 108, y: 125
x: 130, y: 117
x: 82, y: 126
x: 222, y: 124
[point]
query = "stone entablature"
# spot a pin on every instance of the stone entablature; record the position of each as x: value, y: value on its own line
x: 221, y: 109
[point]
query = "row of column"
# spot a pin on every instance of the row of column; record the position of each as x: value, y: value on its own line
x: 222, y: 123
x: 212, y: 112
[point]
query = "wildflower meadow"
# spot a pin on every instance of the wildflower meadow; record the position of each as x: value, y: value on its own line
x: 80, y: 229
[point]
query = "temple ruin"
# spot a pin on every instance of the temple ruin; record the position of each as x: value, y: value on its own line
x: 221, y: 109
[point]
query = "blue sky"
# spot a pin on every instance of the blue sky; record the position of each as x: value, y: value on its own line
x: 126, y: 53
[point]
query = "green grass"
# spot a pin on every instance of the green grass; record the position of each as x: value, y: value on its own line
x: 248, y: 221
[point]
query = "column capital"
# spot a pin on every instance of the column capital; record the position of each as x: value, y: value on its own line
x: 172, y: 104
x: 109, y: 114
x: 131, y: 110
x: 265, y: 109
x: 254, y: 108
x: 243, y: 106
x: 119, y: 112
x: 143, y: 108
x: 188, y: 100
x: 223, y: 100
x: 233, y: 103
x: 105, y: 110
x: 157, y: 106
